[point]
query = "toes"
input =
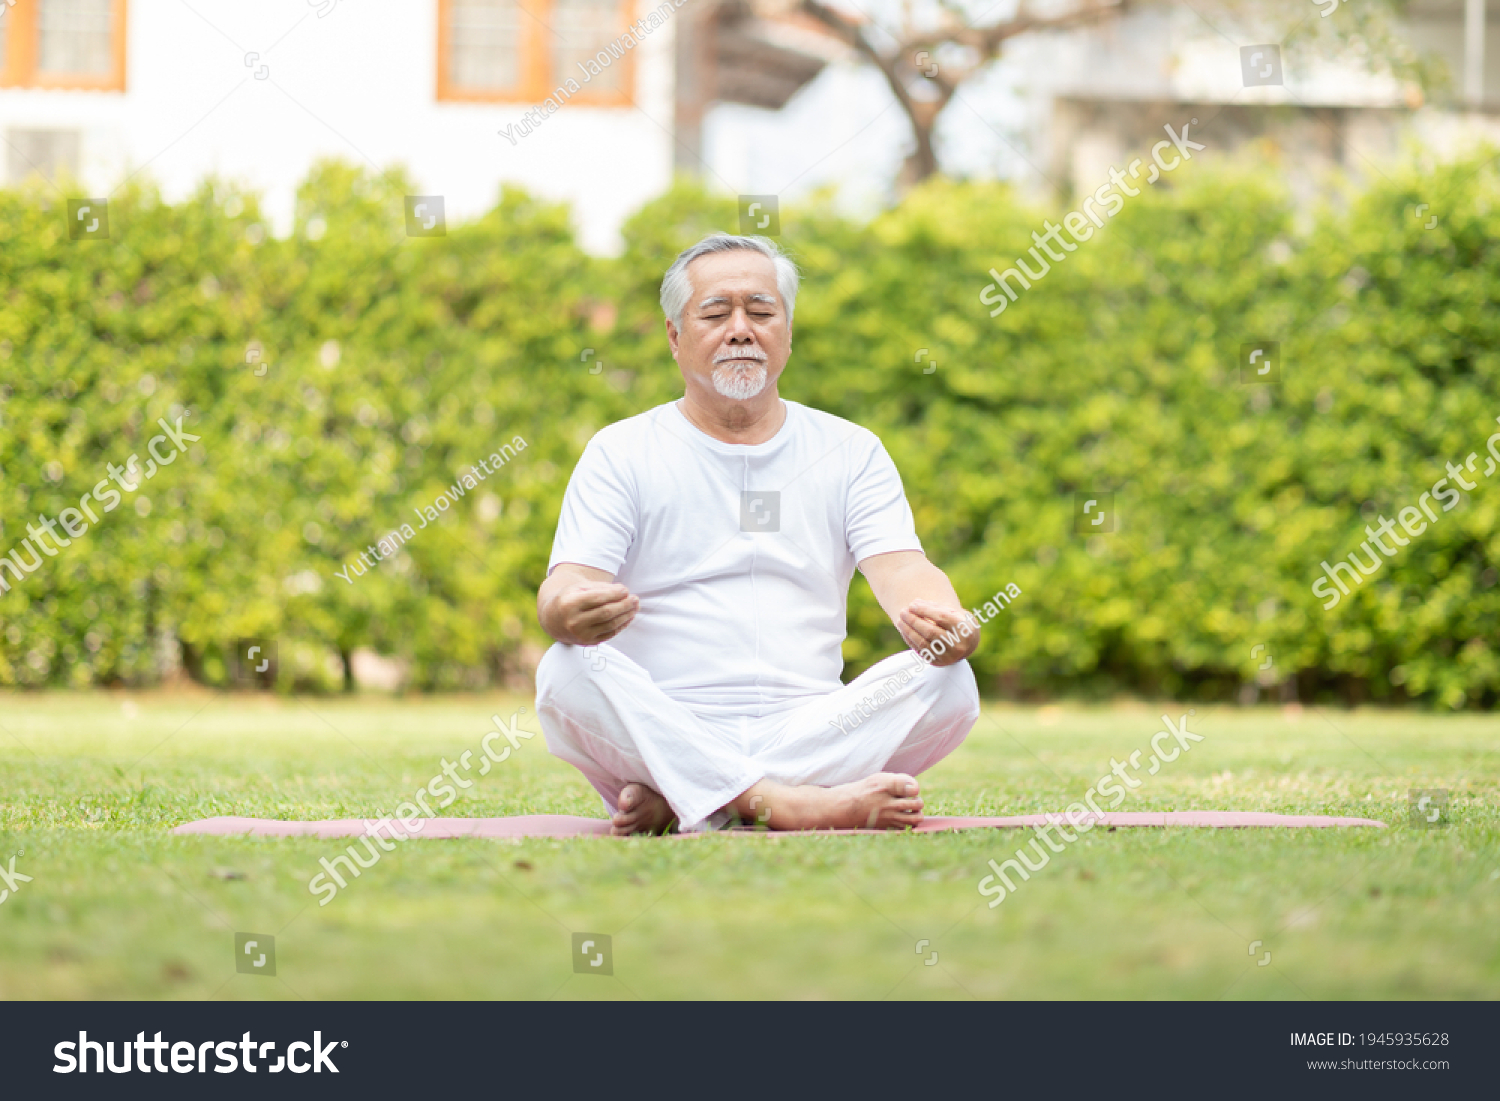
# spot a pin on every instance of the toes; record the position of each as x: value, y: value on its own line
x: 635, y: 800
x: 900, y: 784
x: 640, y: 810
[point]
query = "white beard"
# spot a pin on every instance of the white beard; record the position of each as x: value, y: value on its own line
x: 740, y: 383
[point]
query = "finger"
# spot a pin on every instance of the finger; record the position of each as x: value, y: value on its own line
x: 930, y: 606
x: 915, y: 642
x: 946, y: 618
x: 616, y: 625
x: 920, y: 612
x: 952, y: 635
x: 585, y: 597
x: 605, y: 629
x: 924, y: 630
x: 910, y: 637
x: 919, y: 643
x: 942, y: 650
x: 603, y: 613
x: 912, y: 615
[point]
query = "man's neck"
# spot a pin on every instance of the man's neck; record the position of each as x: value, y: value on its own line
x: 739, y: 422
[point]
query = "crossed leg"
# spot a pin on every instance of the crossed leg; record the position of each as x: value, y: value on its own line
x: 844, y: 760
x: 850, y: 759
x: 884, y: 801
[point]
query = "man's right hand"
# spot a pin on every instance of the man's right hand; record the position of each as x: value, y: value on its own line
x: 584, y: 610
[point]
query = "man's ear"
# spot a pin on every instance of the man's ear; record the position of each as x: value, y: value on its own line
x: 672, y: 337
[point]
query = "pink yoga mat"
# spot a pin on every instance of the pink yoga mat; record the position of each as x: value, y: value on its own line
x: 569, y: 825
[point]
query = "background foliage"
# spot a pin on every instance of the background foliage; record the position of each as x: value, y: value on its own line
x: 395, y: 362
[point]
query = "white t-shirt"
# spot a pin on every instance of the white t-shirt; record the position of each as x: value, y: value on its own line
x: 741, y: 554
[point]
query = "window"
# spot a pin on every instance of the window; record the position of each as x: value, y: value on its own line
x: 63, y: 44
x: 519, y: 51
x: 584, y: 27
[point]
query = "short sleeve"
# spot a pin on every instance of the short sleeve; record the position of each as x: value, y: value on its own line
x: 597, y: 524
x: 878, y: 519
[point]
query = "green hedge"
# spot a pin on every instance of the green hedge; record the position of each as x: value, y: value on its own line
x: 391, y: 363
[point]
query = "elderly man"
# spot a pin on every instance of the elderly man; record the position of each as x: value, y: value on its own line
x: 699, y: 583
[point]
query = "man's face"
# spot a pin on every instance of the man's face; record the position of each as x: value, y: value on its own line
x: 735, y: 337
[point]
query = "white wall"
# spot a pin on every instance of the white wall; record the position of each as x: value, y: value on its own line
x: 358, y: 82
x: 844, y: 131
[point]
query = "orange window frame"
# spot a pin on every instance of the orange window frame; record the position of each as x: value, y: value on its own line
x: 18, y: 68
x: 537, y: 82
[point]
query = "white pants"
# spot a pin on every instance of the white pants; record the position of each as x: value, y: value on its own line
x: 602, y: 713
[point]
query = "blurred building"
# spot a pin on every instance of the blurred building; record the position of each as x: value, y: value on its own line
x: 1101, y: 95
x: 751, y: 95
x: 103, y: 90
x: 1061, y: 107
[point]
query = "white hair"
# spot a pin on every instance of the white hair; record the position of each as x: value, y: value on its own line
x: 677, y: 288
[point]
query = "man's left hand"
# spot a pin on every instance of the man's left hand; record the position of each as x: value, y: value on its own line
x: 923, y: 622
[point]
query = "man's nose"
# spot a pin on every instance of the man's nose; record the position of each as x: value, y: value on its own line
x: 739, y: 329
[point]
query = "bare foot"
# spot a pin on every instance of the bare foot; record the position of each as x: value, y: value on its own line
x: 641, y: 811
x: 887, y: 800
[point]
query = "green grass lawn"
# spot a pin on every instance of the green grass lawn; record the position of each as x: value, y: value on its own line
x: 90, y: 784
